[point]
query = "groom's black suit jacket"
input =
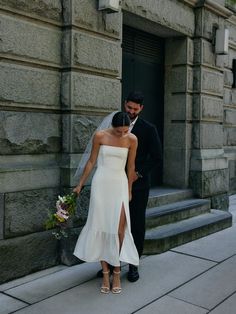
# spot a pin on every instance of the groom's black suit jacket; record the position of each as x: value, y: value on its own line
x: 149, y: 152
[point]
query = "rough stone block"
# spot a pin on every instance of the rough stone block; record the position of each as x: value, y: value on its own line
x: 232, y: 99
x: 212, y: 82
x: 220, y: 201
x: 209, y: 183
x: 230, y: 116
x: 28, y: 132
x: 228, y: 96
x: 1, y: 216
x: 208, y: 163
x: 26, y: 211
x: 82, y: 128
x: 207, y: 135
x: 85, y: 15
x: 228, y: 77
x: 180, y: 46
x: 23, y: 255
x: 203, y: 52
x: 41, y: 8
x: 232, y: 29
x: 212, y: 109
x: 103, y: 93
x: 228, y: 60
x: 176, y: 167
x: 232, y: 181
x: 208, y: 108
x: 17, y: 37
x: 230, y: 136
x: 67, y: 246
x: 179, y: 79
x: 178, y: 135
x: 205, y: 20
x: 208, y: 56
x: 25, y: 86
x: 180, y: 108
x: 96, y: 53
x: 27, y: 178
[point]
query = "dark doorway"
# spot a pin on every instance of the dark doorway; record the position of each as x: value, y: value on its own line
x: 143, y: 69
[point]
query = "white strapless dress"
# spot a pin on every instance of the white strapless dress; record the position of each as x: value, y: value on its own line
x: 99, y: 239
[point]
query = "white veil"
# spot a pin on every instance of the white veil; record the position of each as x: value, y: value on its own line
x: 105, y: 124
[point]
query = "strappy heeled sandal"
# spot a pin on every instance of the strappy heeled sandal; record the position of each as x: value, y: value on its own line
x: 105, y: 289
x: 116, y: 290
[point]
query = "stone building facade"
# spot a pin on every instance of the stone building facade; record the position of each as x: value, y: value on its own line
x: 61, y: 73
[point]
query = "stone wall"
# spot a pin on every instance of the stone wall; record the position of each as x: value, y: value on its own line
x: 30, y: 133
x: 229, y: 117
x: 60, y: 74
x: 209, y: 167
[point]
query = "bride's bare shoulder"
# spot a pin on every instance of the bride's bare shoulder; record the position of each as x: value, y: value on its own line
x: 133, y: 140
x: 132, y: 137
x: 101, y: 134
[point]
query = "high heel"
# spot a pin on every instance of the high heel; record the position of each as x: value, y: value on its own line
x: 116, y: 290
x: 105, y: 289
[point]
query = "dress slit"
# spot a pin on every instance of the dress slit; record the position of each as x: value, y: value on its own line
x: 122, y: 210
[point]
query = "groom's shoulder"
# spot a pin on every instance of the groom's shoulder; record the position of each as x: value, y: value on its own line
x: 146, y: 124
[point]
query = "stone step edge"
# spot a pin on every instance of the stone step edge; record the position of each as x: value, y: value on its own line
x: 163, y: 196
x: 176, y: 207
x: 186, y: 225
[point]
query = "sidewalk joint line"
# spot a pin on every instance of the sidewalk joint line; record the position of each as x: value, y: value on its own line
x: 15, y: 298
x: 199, y: 257
x: 229, y: 296
x: 185, y: 301
x: 31, y: 280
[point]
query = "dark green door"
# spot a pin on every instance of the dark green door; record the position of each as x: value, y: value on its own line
x: 143, y: 69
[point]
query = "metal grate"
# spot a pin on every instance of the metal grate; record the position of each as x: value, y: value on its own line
x: 143, y: 44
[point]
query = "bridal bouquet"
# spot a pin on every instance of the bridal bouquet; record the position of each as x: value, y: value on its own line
x: 60, y: 216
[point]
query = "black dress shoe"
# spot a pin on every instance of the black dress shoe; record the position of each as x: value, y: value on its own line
x: 133, y: 274
x: 99, y: 274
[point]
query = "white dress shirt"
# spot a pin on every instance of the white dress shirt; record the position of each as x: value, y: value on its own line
x: 132, y: 124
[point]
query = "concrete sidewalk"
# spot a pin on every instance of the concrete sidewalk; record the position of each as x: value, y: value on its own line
x: 195, y: 278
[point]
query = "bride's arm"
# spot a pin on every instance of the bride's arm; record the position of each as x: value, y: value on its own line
x: 90, y: 163
x: 131, y: 162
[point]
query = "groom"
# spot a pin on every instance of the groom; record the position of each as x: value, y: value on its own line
x: 148, y: 157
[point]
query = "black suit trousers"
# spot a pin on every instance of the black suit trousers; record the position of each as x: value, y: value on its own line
x: 137, y: 207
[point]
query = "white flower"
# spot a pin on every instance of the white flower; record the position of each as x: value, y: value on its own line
x: 61, y: 199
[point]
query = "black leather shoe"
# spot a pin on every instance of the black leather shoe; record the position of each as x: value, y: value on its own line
x: 133, y: 274
x: 100, y: 274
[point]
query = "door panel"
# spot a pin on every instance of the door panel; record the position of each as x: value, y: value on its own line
x: 143, y: 69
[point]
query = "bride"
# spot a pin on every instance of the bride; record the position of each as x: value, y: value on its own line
x: 106, y: 236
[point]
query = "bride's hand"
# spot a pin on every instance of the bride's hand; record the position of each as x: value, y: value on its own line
x: 77, y: 189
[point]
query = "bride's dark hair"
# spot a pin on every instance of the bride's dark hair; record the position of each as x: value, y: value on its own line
x: 120, y: 119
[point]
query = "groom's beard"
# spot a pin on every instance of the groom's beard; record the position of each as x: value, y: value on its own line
x: 132, y: 116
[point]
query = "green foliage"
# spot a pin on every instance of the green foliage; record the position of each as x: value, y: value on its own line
x: 60, y: 216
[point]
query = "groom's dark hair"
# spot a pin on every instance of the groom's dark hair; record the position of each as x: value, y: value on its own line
x: 136, y: 96
x: 120, y: 118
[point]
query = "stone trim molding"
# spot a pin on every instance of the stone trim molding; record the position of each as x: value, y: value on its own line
x: 216, y: 8
x: 191, y: 3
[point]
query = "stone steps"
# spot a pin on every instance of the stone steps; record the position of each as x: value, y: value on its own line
x: 174, y: 212
x: 163, y: 238
x: 164, y: 195
x: 174, y: 217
